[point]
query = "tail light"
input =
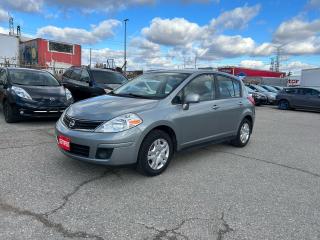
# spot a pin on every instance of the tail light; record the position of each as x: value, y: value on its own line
x: 251, y: 99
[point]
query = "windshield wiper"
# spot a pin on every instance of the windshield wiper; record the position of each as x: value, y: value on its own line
x: 131, y: 95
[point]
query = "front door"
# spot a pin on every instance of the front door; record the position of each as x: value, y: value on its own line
x: 199, y: 122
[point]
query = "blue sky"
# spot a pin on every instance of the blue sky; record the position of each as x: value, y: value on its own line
x: 172, y: 34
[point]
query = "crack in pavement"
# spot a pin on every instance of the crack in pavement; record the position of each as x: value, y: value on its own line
x: 268, y: 162
x: 58, y: 227
x: 43, y: 218
x: 67, y: 197
x: 173, y: 233
x: 226, y: 228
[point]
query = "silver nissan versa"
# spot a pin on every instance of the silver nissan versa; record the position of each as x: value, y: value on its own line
x: 158, y: 113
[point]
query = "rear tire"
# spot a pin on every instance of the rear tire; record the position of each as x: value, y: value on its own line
x: 283, y: 105
x: 10, y: 113
x: 244, y: 134
x: 155, y: 153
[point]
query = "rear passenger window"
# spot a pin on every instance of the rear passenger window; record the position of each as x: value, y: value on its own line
x: 67, y: 73
x: 228, y: 88
x: 76, y: 74
x: 290, y: 90
x: 85, y: 76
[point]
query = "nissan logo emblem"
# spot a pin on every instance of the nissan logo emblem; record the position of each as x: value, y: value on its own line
x: 52, y: 99
x: 72, y: 123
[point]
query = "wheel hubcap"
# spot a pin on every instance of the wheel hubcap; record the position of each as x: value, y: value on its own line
x: 245, y: 133
x: 158, y: 154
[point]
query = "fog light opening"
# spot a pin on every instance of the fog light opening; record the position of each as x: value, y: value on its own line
x: 104, y: 153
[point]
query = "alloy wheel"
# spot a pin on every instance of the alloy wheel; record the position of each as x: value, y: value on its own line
x: 158, y: 154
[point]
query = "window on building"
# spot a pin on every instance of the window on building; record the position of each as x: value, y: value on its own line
x: 60, y: 47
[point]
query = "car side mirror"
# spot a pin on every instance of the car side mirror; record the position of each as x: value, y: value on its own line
x: 190, y: 98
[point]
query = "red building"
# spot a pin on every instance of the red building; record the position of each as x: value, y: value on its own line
x: 47, y: 54
x: 248, y: 72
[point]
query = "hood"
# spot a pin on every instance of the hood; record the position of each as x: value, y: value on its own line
x: 106, y: 107
x: 44, y: 92
x: 108, y: 86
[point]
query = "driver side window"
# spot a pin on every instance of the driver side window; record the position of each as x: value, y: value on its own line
x: 202, y: 85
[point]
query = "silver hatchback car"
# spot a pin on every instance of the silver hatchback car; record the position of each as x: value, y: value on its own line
x: 147, y: 120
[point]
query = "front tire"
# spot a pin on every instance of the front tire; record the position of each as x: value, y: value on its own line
x: 10, y: 113
x: 283, y: 105
x: 155, y: 153
x: 244, y: 134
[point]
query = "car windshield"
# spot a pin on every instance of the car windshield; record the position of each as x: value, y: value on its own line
x: 32, y: 78
x: 249, y: 90
x: 260, y: 89
x: 151, y: 85
x: 106, y: 77
x: 270, y: 89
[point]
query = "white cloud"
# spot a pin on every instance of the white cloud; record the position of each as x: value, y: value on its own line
x: 237, y: 18
x: 298, y: 37
x: 223, y: 46
x: 172, y: 32
x: 313, y: 4
x: 296, y: 29
x: 295, y: 67
x: 23, y: 5
x: 78, y: 35
x: 3, y: 15
x: 253, y: 64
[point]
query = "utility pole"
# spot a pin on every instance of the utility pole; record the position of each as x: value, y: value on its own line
x: 277, y: 63
x: 11, y: 26
x: 272, y: 64
x: 90, y: 58
x: 125, y: 44
x: 195, y: 62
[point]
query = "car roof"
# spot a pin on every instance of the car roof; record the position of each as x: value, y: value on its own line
x: 93, y: 69
x: 191, y: 71
x: 25, y: 69
x: 315, y: 88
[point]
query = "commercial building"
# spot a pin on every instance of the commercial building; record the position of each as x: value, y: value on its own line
x: 248, y: 72
x: 52, y: 55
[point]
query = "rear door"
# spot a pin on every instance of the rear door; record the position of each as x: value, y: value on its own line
x: 311, y: 98
x: 230, y: 103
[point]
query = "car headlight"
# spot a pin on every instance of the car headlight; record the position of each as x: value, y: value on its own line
x: 68, y: 94
x: 21, y: 92
x: 119, y: 124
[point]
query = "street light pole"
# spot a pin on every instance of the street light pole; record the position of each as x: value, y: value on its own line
x: 125, y: 44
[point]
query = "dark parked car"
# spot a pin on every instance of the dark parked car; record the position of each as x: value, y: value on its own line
x: 31, y: 93
x: 271, y: 96
x: 299, y: 97
x: 84, y: 82
x: 258, y: 97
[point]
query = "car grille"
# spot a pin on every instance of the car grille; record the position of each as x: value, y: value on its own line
x: 79, y: 150
x: 77, y: 124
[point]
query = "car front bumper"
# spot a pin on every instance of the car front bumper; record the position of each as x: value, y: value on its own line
x: 121, y: 148
x: 36, y: 109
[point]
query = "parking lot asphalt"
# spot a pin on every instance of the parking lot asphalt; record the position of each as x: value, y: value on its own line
x: 267, y: 190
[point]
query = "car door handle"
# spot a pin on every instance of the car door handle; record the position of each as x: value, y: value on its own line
x: 240, y: 103
x: 215, y: 107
